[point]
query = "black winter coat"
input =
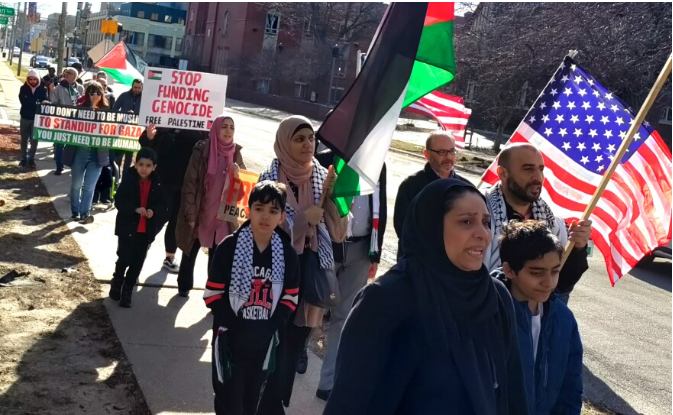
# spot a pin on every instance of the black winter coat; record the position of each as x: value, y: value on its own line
x: 30, y: 99
x: 127, y: 200
x: 174, y: 149
x: 410, y: 187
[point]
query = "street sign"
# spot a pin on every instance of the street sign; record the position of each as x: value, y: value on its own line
x: 4, y: 20
x: 6, y: 11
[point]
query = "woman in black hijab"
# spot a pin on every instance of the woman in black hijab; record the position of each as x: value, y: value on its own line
x: 434, y: 335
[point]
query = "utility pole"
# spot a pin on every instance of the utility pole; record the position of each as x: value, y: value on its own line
x: 11, y: 45
x: 23, y: 37
x: 61, y: 36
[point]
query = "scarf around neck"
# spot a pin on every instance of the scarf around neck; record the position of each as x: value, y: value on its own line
x: 217, y: 150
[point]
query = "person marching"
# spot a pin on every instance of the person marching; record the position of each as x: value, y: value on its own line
x: 252, y: 288
x: 214, y: 161
x: 140, y: 208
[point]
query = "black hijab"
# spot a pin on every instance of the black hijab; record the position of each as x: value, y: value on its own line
x: 459, y: 310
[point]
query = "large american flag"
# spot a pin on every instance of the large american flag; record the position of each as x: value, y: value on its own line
x: 449, y: 111
x: 578, y: 125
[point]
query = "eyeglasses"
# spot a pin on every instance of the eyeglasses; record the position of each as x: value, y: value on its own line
x: 444, y: 153
x: 94, y: 93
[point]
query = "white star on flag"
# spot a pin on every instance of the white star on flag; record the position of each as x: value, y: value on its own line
x: 571, y: 105
x: 614, y: 108
x: 582, y: 92
x: 608, y: 134
x: 605, y: 120
x: 611, y: 148
x: 574, y: 119
x: 553, y: 92
x: 619, y: 121
x: 545, y: 118
x: 568, y: 92
x: 548, y: 132
x: 608, y: 96
x: 565, y: 78
x: 556, y: 105
x: 578, y: 132
x: 590, y: 119
x: 601, y: 168
x: 596, y: 147
x: 578, y: 79
x: 601, y: 106
x: 562, y: 132
x: 593, y: 133
x: 566, y: 146
x: 599, y: 159
x: 581, y: 147
x: 584, y: 160
x: 559, y: 118
x: 543, y: 106
x: 531, y: 119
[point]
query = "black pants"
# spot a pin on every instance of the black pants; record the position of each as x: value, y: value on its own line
x: 131, y: 251
x: 173, y: 198
x: 186, y: 273
x: 103, y: 190
x: 240, y: 394
x: 278, y: 389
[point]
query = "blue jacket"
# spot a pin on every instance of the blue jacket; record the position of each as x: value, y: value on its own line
x: 554, y: 380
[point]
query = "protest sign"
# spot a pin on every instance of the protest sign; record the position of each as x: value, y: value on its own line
x: 181, y: 99
x: 84, y: 127
x: 234, y: 203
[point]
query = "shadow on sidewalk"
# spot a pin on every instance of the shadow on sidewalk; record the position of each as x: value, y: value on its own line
x: 597, y: 392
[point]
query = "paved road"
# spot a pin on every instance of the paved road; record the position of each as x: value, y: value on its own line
x: 626, y: 329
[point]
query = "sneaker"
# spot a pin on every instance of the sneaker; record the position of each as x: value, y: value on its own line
x: 58, y: 171
x: 302, y: 363
x: 183, y: 293
x: 31, y: 164
x: 171, y: 266
x: 23, y: 163
x: 75, y: 216
x: 323, y: 394
x: 86, y: 220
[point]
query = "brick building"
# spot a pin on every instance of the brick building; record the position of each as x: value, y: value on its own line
x: 275, y: 54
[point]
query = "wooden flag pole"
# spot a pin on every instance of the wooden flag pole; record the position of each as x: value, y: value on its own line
x: 622, y: 149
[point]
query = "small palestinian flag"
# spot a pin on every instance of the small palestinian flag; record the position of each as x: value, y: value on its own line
x: 122, y: 65
x: 154, y: 75
x: 411, y: 55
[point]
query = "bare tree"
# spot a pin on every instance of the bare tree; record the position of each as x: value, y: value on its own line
x: 509, y: 51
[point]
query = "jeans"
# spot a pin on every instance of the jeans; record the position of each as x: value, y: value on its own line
x: 58, y: 156
x: 26, y: 128
x: 84, y: 177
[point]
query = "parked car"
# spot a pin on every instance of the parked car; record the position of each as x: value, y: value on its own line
x: 659, y: 252
x: 71, y: 60
x: 17, y: 51
x: 39, y: 62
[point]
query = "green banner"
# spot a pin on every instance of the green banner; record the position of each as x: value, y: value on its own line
x: 84, y: 127
x: 6, y: 11
x: 4, y: 20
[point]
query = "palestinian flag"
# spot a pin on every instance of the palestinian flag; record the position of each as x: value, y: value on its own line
x: 154, y: 75
x: 410, y: 56
x: 122, y: 65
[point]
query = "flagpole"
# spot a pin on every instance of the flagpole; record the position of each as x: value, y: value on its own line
x: 622, y: 149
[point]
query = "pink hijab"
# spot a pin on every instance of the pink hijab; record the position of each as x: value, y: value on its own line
x: 217, y: 149
x: 298, y: 174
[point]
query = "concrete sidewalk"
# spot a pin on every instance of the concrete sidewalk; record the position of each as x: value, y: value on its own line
x: 165, y: 337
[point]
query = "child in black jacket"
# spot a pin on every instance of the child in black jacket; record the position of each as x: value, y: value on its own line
x: 140, y: 211
x: 252, y: 288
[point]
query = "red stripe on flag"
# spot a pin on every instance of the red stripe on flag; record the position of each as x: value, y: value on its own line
x: 439, y: 12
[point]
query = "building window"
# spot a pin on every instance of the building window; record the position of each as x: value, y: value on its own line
x: 155, y: 17
x: 471, y: 87
x: 168, y: 43
x: 263, y: 85
x: 336, y: 94
x: 168, y: 19
x: 272, y: 23
x: 178, y: 44
x: 665, y: 116
x: 300, y: 90
x: 340, y: 70
x: 225, y: 26
x: 141, y: 14
x: 137, y: 38
x: 181, y: 21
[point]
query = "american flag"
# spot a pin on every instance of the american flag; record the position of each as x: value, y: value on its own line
x: 449, y: 111
x: 578, y: 126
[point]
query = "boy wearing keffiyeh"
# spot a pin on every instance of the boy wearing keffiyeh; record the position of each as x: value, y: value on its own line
x: 252, y: 288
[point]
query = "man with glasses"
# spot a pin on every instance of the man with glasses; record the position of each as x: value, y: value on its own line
x: 67, y: 92
x: 440, y: 152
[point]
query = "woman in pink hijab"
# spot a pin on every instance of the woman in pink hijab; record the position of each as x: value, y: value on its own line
x: 312, y: 228
x: 213, y: 161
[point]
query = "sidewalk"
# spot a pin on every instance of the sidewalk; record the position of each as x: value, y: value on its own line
x: 9, y: 96
x: 165, y: 337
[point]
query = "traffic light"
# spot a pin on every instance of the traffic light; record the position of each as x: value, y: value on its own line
x: 110, y: 27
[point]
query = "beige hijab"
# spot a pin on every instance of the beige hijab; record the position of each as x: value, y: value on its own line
x: 291, y: 171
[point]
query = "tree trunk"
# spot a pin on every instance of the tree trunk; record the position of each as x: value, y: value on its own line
x: 498, y: 138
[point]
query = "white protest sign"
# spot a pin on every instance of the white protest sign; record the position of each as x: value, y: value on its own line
x: 181, y: 99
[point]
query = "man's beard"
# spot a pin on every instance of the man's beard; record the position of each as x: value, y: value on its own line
x: 520, y: 191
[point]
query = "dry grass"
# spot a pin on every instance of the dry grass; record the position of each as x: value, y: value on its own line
x: 24, y: 70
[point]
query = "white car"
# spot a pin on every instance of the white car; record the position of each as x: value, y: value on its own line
x: 659, y: 252
x: 17, y: 51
